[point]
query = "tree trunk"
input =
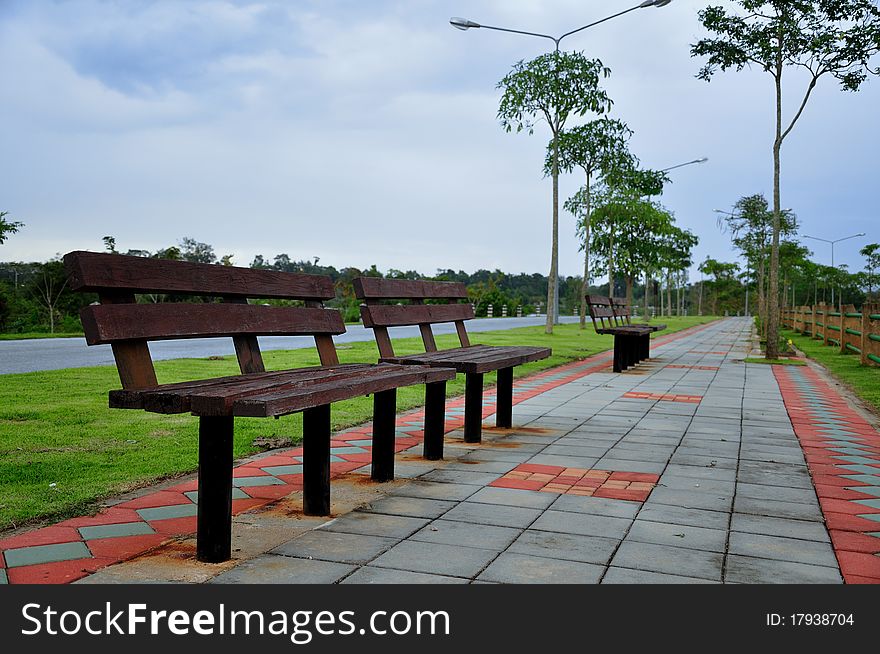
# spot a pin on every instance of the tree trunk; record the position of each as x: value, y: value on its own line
x: 668, y: 292
x: 772, y: 350
x: 554, y: 255
x: 647, y: 296
x: 586, y: 285
x: 630, y: 282
x: 611, y: 265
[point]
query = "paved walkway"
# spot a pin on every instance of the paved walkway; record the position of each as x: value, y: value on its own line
x: 687, y: 469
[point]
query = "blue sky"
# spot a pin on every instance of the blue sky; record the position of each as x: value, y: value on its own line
x: 365, y: 132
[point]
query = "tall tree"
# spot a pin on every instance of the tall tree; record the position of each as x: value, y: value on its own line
x: 7, y: 227
x: 834, y: 38
x: 871, y: 252
x: 596, y: 148
x: 552, y: 87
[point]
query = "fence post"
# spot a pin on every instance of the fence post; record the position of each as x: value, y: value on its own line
x: 519, y: 311
x: 504, y: 311
x: 490, y: 311
x: 864, y: 341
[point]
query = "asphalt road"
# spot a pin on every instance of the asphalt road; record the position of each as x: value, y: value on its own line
x: 54, y: 353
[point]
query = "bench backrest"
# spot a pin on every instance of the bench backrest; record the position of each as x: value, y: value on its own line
x: 128, y: 325
x: 622, y: 311
x: 601, y: 311
x: 379, y: 317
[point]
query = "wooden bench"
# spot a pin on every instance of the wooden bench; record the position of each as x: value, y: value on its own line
x: 632, y: 342
x: 128, y: 326
x: 472, y: 360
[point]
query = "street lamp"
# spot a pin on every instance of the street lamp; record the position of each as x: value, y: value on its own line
x: 837, y: 240
x: 688, y: 163
x: 465, y: 24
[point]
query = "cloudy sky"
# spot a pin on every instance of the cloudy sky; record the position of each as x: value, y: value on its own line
x: 365, y: 132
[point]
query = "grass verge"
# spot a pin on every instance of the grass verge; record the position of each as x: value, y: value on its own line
x: 28, y: 335
x: 777, y: 362
x: 864, y: 381
x: 62, y: 449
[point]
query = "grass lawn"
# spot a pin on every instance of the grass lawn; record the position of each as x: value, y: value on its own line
x: 62, y: 449
x: 864, y: 381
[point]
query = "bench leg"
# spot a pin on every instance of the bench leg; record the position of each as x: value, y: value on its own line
x: 435, y: 420
x: 473, y: 407
x: 316, y: 460
x: 214, y: 537
x: 646, y: 347
x: 504, y: 399
x: 619, y: 353
x: 635, y: 349
x: 384, y: 413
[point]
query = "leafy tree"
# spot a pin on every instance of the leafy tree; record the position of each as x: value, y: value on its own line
x: 554, y: 87
x: 871, y: 275
x: 48, y: 288
x: 835, y: 38
x: 110, y: 244
x: 196, y: 251
x: 7, y: 227
x: 596, y: 148
x: 724, y: 279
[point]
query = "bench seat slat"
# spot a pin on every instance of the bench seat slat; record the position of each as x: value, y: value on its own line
x: 94, y: 272
x: 382, y: 377
x: 108, y: 323
x: 485, y: 361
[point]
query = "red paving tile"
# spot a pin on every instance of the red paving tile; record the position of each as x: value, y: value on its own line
x: 61, y: 572
x: 157, y: 499
x: 859, y: 564
x: 44, y: 536
x: 126, y: 547
x: 175, y: 526
x: 275, y: 492
x: 852, y: 541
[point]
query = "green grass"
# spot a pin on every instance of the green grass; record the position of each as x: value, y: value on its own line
x: 864, y: 381
x: 777, y: 362
x: 24, y: 335
x: 62, y: 449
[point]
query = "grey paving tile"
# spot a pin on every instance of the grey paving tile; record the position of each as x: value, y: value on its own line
x: 691, y: 499
x: 775, y: 526
x: 415, y: 507
x: 37, y: 554
x: 371, y: 575
x: 793, y: 510
x: 116, y: 531
x: 782, y: 549
x: 514, y: 497
x: 570, y: 547
x: 511, y: 568
x: 497, y: 454
x: 616, y: 575
x: 670, y: 560
x: 499, y: 467
x: 376, y: 524
x: 436, y: 490
x: 701, y: 472
x: 169, y: 512
x: 493, y: 514
x: 272, y: 569
x: 698, y: 538
x: 462, y: 476
x: 564, y: 461
x: 435, y: 558
x: 467, y: 534
x: 3, y: 578
x: 596, y: 506
x: 584, y: 524
x: 782, y: 493
x: 750, y: 570
x: 335, y: 546
x: 624, y: 465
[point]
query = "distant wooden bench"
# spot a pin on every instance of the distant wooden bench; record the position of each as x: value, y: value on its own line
x: 472, y: 360
x: 128, y: 326
x: 632, y: 342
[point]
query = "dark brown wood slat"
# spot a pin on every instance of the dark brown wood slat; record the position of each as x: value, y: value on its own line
x: 219, y: 401
x: 407, y: 289
x: 174, y: 398
x: 486, y: 361
x: 414, y: 314
x: 443, y: 355
x: 133, y: 361
x: 385, y: 377
x: 92, y: 272
x: 247, y: 347
x: 461, y: 330
x: 118, y: 322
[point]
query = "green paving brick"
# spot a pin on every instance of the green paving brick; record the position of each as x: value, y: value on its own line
x: 256, y: 481
x: 870, y: 516
x: 3, y: 579
x: 46, y: 554
x: 116, y: 531
x: 167, y: 512
x: 874, y: 504
x: 284, y: 470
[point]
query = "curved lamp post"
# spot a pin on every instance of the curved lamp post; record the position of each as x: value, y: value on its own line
x: 837, y: 240
x: 466, y: 24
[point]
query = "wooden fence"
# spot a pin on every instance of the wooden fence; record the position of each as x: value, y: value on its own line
x: 849, y: 330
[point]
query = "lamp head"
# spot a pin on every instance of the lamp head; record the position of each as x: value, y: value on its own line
x: 654, y: 3
x: 462, y: 23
